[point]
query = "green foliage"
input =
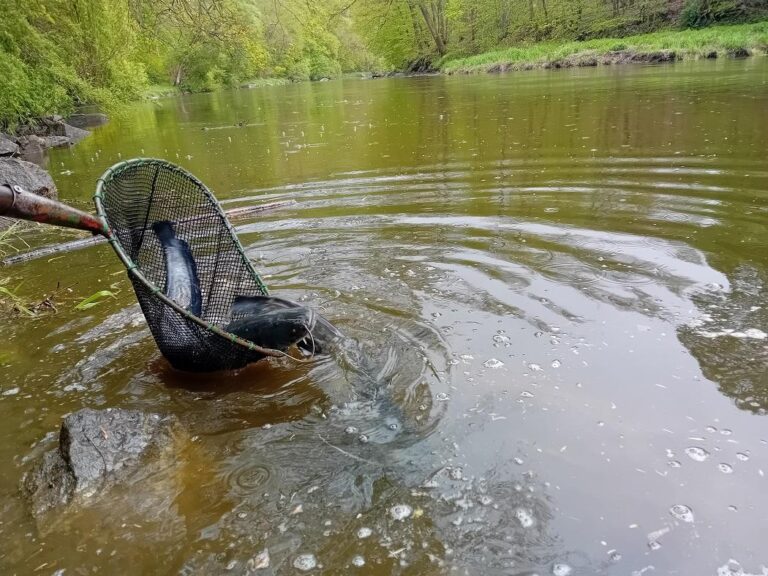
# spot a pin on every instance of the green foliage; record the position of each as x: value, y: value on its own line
x: 55, y: 54
x: 685, y: 44
x: 700, y: 13
x: 94, y: 299
x: 10, y: 298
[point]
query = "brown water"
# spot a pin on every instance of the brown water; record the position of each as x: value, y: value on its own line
x: 560, y: 283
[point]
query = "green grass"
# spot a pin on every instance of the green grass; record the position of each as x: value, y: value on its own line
x: 262, y: 82
x: 671, y: 44
x: 156, y: 91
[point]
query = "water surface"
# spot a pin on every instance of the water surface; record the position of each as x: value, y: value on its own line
x: 559, y: 283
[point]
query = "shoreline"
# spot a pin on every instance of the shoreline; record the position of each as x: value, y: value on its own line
x: 736, y: 41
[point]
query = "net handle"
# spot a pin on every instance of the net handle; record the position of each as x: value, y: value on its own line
x: 15, y: 202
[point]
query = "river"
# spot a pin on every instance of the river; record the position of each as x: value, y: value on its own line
x: 560, y: 282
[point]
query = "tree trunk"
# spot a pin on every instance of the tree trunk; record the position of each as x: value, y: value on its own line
x: 434, y: 18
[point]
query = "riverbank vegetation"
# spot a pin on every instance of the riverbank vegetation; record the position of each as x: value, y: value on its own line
x: 739, y: 40
x: 56, y: 54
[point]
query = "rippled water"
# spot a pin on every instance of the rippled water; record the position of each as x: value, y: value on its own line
x: 557, y: 285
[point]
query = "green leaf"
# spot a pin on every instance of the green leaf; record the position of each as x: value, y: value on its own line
x: 94, y: 299
x: 17, y: 302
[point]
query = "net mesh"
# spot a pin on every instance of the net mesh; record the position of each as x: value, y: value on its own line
x: 131, y: 197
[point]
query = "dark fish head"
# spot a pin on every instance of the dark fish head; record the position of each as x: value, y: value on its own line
x: 322, y: 332
x: 164, y: 230
x: 278, y: 329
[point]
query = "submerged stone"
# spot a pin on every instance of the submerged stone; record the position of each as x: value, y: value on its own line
x: 97, y: 449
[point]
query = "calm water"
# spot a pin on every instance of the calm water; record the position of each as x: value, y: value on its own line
x: 560, y: 283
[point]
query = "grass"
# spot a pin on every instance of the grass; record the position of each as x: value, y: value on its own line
x: 262, y: 82
x: 13, y: 301
x: 655, y: 47
x: 9, y: 237
x: 155, y: 91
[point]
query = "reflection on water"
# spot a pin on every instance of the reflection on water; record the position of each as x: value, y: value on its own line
x: 553, y: 286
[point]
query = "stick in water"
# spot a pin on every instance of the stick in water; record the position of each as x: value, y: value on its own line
x: 44, y: 251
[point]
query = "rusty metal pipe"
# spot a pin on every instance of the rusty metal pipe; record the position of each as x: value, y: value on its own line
x: 15, y: 202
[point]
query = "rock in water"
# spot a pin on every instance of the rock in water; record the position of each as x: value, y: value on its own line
x: 27, y: 175
x: 7, y: 146
x: 57, y: 141
x: 97, y: 449
x: 74, y: 134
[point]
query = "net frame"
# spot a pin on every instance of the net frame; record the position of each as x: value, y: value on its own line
x: 199, y: 344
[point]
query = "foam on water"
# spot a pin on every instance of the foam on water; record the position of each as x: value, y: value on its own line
x: 524, y: 517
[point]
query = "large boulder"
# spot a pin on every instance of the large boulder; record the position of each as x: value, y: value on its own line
x: 74, y: 134
x: 7, y: 146
x: 27, y: 175
x: 57, y: 141
x: 97, y: 450
x: 55, y: 126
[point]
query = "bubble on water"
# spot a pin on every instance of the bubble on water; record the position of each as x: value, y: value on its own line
x: 674, y: 464
x: 526, y: 394
x: 555, y: 363
x: 364, y: 532
x: 742, y: 456
x: 682, y: 513
x: 493, y: 363
x: 614, y: 556
x: 358, y: 561
x: 400, y: 512
x: 305, y: 562
x: 726, y: 432
x: 562, y: 570
x: 725, y: 468
x: 363, y: 438
x: 442, y: 397
x: 485, y: 500
x: 534, y: 367
x: 518, y: 461
x: 351, y: 430
x: 501, y: 339
x: 732, y: 508
x: 524, y: 517
x: 696, y: 453
x: 711, y: 429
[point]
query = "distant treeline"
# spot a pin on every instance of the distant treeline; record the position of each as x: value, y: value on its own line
x: 55, y: 54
